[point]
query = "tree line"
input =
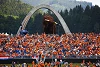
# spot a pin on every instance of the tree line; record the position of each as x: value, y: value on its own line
x: 79, y: 20
x: 12, y: 13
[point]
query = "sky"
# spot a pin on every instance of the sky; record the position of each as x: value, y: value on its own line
x: 94, y: 2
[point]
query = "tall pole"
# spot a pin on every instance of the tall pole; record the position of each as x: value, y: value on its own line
x: 52, y: 56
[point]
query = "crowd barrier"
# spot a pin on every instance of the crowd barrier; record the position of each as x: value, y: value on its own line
x: 20, y: 61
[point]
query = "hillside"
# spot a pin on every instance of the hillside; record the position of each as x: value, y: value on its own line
x: 58, y: 4
x: 12, y: 13
x: 14, y: 7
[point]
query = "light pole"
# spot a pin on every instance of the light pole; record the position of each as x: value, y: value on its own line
x: 52, y: 56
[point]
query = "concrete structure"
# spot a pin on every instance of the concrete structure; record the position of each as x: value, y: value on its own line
x: 26, y: 19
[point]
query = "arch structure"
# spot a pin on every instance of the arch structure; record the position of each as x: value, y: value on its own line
x: 26, y: 19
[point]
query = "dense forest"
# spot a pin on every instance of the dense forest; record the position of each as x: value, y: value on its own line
x: 83, y: 20
x: 78, y: 20
x: 14, y: 7
x: 12, y: 13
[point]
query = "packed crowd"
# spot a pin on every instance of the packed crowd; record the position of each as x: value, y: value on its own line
x: 77, y: 45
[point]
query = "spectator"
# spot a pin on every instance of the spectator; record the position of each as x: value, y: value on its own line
x: 80, y: 45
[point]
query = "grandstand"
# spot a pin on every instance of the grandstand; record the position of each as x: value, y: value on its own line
x: 50, y: 46
x: 46, y: 50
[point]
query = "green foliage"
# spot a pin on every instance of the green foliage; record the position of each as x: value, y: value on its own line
x: 14, y: 7
x: 35, y: 25
x: 8, y: 24
x: 83, y: 20
x: 12, y: 13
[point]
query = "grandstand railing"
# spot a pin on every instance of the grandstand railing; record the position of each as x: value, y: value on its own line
x: 53, y: 57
